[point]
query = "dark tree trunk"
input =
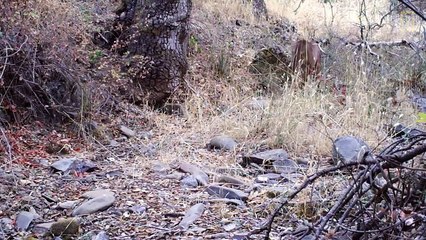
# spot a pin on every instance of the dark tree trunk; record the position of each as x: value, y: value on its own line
x: 259, y: 9
x: 158, y: 32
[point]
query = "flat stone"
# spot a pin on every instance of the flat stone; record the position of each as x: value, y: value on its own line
x: 347, y: 148
x: 266, y: 178
x: 230, y: 180
x: 160, y: 167
x: 225, y: 192
x: 42, y: 228
x: 127, y: 131
x: 222, y: 142
x: 189, y: 181
x: 63, y: 164
x: 192, y: 215
x: 94, y: 205
x: 265, y: 157
x: 200, y: 175
x: 227, y: 201
x: 24, y: 219
x: 175, y: 175
x: 67, y: 204
x: 97, y: 193
x: 285, y: 166
x: 102, y: 235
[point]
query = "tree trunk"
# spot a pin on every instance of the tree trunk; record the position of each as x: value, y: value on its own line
x: 259, y: 9
x: 158, y: 32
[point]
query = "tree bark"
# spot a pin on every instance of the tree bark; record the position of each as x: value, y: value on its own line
x: 259, y: 9
x: 158, y: 32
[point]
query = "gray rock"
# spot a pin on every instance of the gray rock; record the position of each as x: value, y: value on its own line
x: 24, y: 219
x: 127, y: 131
x: 63, y: 164
x: 224, y: 192
x: 200, y: 175
x: 191, y: 215
x: 175, y: 175
x: 285, y: 166
x: 346, y: 149
x: 97, y: 193
x: 189, y: 181
x: 6, y: 223
x: 226, y: 200
x: 230, y: 180
x: 266, y: 157
x: 267, y: 178
x: 93, y: 205
x: 42, y: 228
x: 222, y: 142
x: 102, y: 235
x: 67, y: 204
x: 160, y: 167
x: 65, y: 227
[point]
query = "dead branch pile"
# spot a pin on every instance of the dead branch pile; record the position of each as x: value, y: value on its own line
x: 39, y: 76
x: 386, y: 198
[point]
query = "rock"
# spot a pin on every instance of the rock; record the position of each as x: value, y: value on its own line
x: 63, y: 164
x: 67, y: 204
x: 347, y: 148
x: 175, y: 175
x: 267, y: 178
x: 191, y: 216
x: 65, y: 227
x: 6, y: 223
x: 102, y: 235
x: 127, y: 131
x: 285, y: 166
x: 271, y: 60
x: 226, y: 200
x: 93, y: 205
x: 258, y: 104
x: 189, y: 181
x: 222, y: 142
x: 42, y: 228
x: 114, y: 173
x: 201, y: 176
x: 230, y: 180
x: 160, y: 167
x: 224, y: 192
x: 24, y: 219
x: 265, y: 157
x: 74, y: 164
x: 97, y: 193
x: 230, y: 226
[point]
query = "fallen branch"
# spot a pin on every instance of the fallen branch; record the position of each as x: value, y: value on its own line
x: 369, y: 168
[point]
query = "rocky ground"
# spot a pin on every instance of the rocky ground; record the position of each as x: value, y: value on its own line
x: 53, y: 184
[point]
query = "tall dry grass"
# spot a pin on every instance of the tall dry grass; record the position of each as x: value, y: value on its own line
x: 307, y: 120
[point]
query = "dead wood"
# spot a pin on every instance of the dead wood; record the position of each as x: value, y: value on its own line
x: 366, y: 208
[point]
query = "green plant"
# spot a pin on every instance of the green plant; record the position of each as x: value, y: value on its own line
x: 95, y: 56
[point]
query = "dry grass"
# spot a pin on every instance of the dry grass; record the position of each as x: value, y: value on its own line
x: 300, y: 121
x: 316, y: 19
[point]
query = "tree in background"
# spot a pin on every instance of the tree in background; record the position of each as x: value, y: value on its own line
x: 259, y: 9
x: 157, y: 33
